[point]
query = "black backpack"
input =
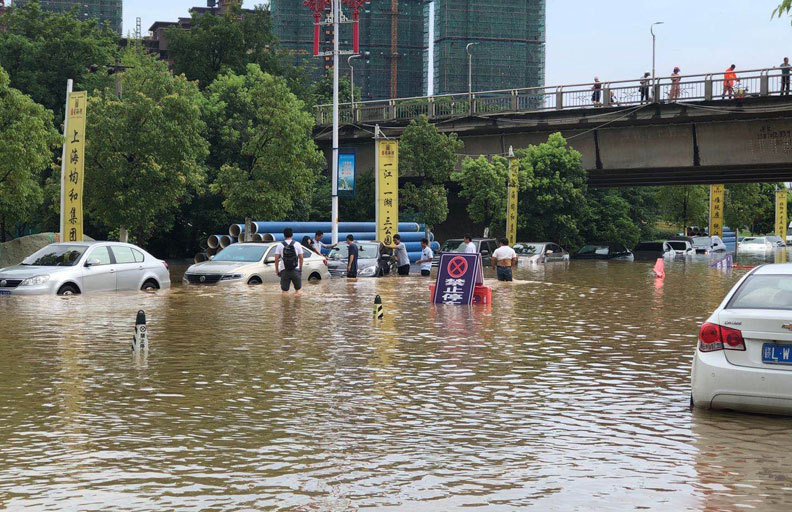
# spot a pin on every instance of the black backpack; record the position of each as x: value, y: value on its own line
x: 289, y: 256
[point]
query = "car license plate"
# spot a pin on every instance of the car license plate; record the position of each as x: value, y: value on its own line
x: 776, y: 354
x: 5, y: 292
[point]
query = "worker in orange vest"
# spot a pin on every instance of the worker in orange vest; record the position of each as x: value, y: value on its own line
x: 729, y: 77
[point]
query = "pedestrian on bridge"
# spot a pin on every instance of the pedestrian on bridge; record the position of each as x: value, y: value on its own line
x: 729, y: 77
x: 644, y: 88
x: 785, y: 77
x: 595, y: 96
x: 674, y: 93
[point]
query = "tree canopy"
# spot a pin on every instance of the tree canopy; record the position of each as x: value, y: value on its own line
x: 28, y: 137
x: 144, y: 153
x: 42, y: 49
x: 262, y: 140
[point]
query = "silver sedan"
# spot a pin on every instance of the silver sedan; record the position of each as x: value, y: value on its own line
x: 85, y: 267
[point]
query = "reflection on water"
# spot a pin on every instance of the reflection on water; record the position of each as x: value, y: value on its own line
x: 569, y: 393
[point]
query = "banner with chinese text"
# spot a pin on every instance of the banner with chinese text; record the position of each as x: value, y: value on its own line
x: 387, y: 163
x: 72, y: 176
x: 781, y: 214
x: 716, y: 210
x: 346, y: 172
x: 511, y: 211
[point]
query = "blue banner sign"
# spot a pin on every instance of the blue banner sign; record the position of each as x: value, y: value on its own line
x: 346, y: 172
x: 457, y: 277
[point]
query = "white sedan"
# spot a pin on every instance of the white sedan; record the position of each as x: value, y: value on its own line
x: 250, y: 263
x: 744, y: 356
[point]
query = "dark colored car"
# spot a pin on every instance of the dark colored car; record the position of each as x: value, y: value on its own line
x: 604, y: 251
x: 374, y: 260
x: 484, y: 246
x: 652, y: 250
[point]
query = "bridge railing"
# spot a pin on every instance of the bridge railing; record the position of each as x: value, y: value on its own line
x: 701, y: 87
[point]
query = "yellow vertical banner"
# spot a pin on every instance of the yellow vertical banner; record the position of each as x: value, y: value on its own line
x: 387, y: 156
x: 781, y: 214
x: 511, y: 210
x: 716, y: 210
x: 72, y: 176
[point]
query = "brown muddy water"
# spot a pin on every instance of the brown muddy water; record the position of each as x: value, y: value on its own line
x: 569, y: 393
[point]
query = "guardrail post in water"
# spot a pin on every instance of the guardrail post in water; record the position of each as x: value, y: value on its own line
x: 764, y: 83
x: 708, y: 88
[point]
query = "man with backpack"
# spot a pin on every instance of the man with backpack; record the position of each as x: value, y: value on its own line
x: 289, y: 262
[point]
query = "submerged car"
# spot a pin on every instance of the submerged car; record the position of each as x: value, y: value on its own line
x: 373, y: 260
x: 743, y: 360
x: 652, y: 250
x: 539, y: 252
x: 756, y: 244
x: 776, y: 240
x: 708, y: 244
x: 85, y: 267
x: 604, y: 251
x: 484, y: 246
x: 250, y: 263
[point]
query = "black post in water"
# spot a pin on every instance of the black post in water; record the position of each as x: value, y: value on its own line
x: 379, y: 314
x: 140, y: 339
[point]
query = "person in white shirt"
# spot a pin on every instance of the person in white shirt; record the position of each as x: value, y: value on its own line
x: 470, y: 247
x: 503, y: 259
x: 402, y: 258
x: 426, y: 258
x: 289, y: 262
x: 318, y: 245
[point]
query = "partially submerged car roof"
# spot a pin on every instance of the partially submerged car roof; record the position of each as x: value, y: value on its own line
x: 774, y: 269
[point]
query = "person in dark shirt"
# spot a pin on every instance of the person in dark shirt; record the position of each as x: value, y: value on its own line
x: 352, y: 262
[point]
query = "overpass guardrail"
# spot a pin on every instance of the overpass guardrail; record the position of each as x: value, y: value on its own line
x: 701, y: 87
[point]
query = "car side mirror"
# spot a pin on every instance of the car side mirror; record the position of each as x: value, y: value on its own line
x: 93, y: 262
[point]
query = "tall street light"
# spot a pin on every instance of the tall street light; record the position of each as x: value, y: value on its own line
x: 654, y: 45
x: 470, y: 68
x: 352, y: 79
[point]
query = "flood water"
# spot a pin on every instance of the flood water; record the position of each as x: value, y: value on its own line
x: 570, y: 392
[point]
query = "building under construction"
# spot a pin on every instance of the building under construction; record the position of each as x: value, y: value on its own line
x: 103, y: 10
x: 392, y: 45
x: 508, y: 50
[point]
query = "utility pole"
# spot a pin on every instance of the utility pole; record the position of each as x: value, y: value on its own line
x: 352, y: 80
x: 394, y: 49
x: 336, y: 19
x: 655, y: 88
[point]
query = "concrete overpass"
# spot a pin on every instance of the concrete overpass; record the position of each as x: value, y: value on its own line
x: 697, y: 139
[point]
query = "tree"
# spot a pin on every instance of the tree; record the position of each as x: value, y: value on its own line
x: 783, y: 8
x: 686, y: 205
x: 42, y: 49
x: 262, y: 141
x: 484, y: 184
x: 28, y: 137
x: 144, y: 153
x: 552, y: 204
x: 427, y: 154
x: 218, y: 44
x: 609, y: 219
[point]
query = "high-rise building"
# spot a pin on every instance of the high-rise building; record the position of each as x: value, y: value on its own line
x: 103, y: 10
x: 508, y: 50
x: 392, y: 45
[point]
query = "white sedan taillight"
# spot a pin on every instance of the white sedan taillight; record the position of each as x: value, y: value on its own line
x: 714, y: 337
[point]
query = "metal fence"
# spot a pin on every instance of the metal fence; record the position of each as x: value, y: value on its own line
x: 703, y: 87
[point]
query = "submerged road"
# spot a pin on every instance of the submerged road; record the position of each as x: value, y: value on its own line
x: 569, y: 393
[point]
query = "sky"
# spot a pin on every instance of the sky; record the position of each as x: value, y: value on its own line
x: 610, y: 39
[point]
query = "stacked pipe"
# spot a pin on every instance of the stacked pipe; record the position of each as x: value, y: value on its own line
x: 411, y: 234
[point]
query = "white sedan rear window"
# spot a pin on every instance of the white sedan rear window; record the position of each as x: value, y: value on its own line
x: 763, y: 292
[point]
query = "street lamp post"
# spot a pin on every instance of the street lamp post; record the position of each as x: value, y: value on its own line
x: 352, y: 79
x: 654, y: 45
x: 470, y: 69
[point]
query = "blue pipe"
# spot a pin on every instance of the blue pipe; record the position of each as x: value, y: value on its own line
x: 313, y: 227
x: 367, y: 236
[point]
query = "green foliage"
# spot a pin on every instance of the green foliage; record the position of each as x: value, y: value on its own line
x: 686, y: 205
x: 144, y: 153
x: 427, y: 204
x: 484, y: 185
x: 28, y: 140
x: 262, y: 139
x: 426, y: 153
x: 750, y: 206
x: 42, y: 49
x: 218, y: 44
x: 359, y: 208
x: 783, y: 8
x: 610, y: 220
x: 552, y: 204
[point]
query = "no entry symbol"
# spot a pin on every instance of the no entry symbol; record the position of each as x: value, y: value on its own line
x: 457, y: 267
